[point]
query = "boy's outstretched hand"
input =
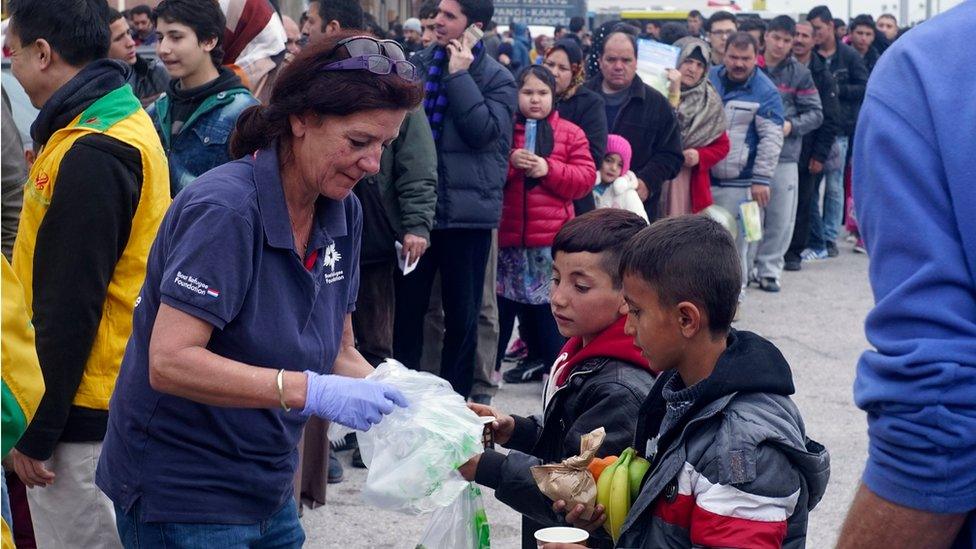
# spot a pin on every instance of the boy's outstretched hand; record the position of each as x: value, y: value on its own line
x: 502, y: 427
x: 573, y: 516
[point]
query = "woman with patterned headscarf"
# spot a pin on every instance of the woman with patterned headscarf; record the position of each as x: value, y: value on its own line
x: 577, y: 104
x: 703, y: 138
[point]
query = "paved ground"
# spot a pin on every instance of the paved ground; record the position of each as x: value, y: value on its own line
x: 817, y: 321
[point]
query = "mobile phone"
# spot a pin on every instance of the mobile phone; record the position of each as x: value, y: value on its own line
x: 474, y: 34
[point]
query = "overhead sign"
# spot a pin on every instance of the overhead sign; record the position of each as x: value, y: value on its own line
x: 538, y: 12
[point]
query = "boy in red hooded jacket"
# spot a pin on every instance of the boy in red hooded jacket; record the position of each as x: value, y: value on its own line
x: 599, y: 379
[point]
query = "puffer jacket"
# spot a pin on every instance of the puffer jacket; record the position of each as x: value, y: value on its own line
x: 754, y: 121
x: 472, y: 154
x: 606, y: 382
x: 531, y: 217
x: 738, y: 470
x: 801, y: 104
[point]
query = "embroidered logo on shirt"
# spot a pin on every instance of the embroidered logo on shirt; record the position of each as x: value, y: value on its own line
x: 195, y: 285
x: 330, y: 259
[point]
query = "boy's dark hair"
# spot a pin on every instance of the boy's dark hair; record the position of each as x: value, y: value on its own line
x: 695, y: 13
x: 782, y: 23
x: 141, y: 9
x: 558, y: 29
x: 349, y: 13
x: 203, y: 16
x: 822, y: 13
x: 604, y: 231
x: 75, y: 29
x: 576, y: 24
x: 429, y: 9
x: 478, y: 11
x: 654, y: 22
x: 747, y: 24
x: 672, y: 31
x: 838, y: 23
x: 741, y: 40
x: 688, y: 258
x: 114, y: 15
x: 720, y: 16
x: 863, y: 20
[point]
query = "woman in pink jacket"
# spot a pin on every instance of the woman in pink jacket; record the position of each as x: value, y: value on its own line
x: 549, y: 167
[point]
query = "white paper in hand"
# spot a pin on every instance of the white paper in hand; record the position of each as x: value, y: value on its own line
x: 404, y: 262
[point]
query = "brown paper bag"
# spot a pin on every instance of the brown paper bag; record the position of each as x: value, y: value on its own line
x: 570, y: 480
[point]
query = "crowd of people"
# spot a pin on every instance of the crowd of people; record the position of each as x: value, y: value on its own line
x: 232, y: 294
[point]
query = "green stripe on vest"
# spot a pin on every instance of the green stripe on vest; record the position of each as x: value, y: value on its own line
x: 110, y: 109
x: 13, y: 420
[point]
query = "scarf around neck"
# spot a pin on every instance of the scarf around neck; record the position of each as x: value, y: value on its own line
x: 435, y: 95
x: 700, y: 113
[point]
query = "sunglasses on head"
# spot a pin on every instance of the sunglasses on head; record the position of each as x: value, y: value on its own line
x: 376, y: 56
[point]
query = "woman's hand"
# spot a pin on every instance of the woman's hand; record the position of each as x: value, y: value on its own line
x: 356, y: 403
x: 539, y: 168
x: 503, y: 426
x: 691, y: 157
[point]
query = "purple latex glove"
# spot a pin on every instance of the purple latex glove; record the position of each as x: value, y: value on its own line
x: 353, y: 402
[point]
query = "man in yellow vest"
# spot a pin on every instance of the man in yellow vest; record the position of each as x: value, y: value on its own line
x: 93, y: 201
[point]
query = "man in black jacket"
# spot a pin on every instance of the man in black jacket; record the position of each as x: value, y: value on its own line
x: 851, y: 77
x: 642, y: 116
x: 148, y: 77
x: 470, y: 101
x: 816, y: 144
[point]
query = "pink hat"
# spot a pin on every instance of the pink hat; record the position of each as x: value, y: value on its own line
x: 616, y: 144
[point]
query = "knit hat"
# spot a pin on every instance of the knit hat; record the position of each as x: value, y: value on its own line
x: 412, y: 24
x: 617, y: 144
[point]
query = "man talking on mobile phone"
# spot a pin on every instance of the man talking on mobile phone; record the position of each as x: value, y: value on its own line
x: 470, y: 99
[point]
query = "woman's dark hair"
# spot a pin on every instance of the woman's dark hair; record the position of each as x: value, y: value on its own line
x: 303, y: 86
x: 76, y: 29
x: 539, y: 72
x: 203, y: 16
x: 688, y: 258
x: 604, y: 231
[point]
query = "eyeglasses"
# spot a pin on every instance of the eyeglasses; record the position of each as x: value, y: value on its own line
x: 376, y: 56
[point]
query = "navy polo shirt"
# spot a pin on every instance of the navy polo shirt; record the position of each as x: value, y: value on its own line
x: 225, y: 254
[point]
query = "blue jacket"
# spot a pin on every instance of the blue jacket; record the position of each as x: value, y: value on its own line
x: 754, y: 120
x: 472, y: 154
x: 204, y: 140
x: 916, y: 209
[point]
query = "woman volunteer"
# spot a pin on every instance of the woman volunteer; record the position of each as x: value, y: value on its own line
x: 242, y: 329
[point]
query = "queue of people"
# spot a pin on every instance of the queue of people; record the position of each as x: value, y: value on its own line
x: 230, y: 274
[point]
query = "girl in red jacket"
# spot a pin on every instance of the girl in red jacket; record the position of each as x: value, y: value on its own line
x: 549, y: 167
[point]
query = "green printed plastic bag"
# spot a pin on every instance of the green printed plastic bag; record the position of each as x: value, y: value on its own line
x: 461, y: 525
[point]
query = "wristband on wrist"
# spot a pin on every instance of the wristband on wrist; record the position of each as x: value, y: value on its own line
x: 281, y: 390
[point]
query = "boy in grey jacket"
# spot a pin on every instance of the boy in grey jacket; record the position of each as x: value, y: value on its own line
x: 802, y: 114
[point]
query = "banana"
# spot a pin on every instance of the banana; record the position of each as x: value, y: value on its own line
x: 603, y: 486
x: 619, y: 494
x: 638, y: 468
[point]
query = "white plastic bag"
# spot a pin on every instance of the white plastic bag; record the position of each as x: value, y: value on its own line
x: 461, y: 525
x: 414, y: 453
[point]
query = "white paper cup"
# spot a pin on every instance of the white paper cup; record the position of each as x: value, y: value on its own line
x: 561, y: 534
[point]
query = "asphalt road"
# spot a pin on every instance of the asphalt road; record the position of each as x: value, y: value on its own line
x: 817, y: 322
